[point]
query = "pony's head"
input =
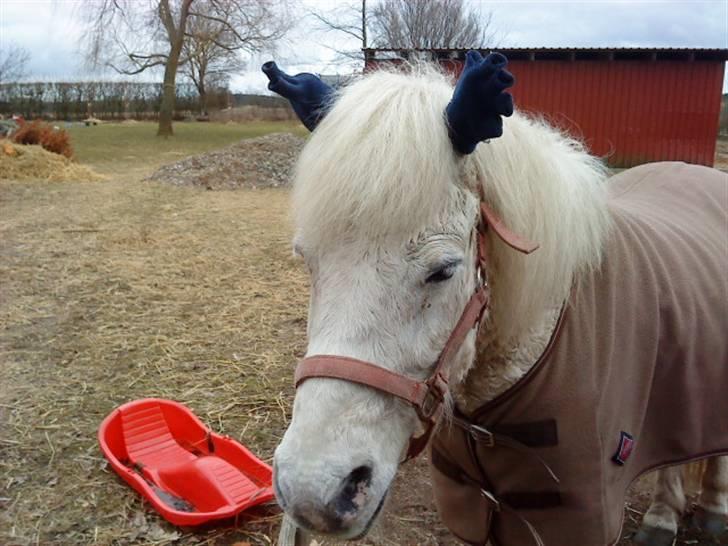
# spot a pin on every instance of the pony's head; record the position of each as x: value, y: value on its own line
x: 386, y: 207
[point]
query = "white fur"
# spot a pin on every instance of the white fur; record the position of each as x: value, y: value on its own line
x: 714, y: 487
x: 380, y: 201
x: 668, y: 502
x: 547, y: 188
x: 669, y: 498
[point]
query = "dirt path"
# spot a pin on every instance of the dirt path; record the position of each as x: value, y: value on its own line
x: 119, y: 290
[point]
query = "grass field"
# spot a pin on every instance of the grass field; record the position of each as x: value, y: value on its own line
x: 125, y: 289
x: 111, y: 147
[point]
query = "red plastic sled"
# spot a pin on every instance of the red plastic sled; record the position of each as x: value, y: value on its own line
x: 190, y: 474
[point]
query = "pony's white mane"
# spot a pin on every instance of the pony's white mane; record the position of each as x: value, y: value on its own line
x: 546, y: 187
x: 381, y: 162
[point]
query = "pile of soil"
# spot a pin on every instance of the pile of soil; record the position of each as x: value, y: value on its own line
x: 31, y: 162
x: 264, y: 162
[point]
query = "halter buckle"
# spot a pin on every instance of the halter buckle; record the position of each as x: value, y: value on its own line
x: 429, y: 406
x: 433, y: 399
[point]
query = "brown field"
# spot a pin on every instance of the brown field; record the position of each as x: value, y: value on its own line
x: 124, y: 289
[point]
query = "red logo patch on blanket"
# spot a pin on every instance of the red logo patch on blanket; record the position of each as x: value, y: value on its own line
x: 626, y: 444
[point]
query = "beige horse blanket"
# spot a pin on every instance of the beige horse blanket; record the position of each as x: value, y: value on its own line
x: 635, y: 377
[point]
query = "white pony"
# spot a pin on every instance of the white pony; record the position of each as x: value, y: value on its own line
x: 385, y: 210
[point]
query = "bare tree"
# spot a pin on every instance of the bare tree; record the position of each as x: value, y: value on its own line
x: 346, y: 19
x: 13, y: 63
x: 429, y: 24
x: 407, y: 24
x: 133, y: 36
x: 212, y: 53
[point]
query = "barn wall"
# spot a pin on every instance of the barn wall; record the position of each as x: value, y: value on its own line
x: 628, y: 111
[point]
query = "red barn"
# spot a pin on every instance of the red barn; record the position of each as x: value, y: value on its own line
x: 629, y: 105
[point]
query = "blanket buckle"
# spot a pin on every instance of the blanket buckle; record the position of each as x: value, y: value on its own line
x: 488, y: 495
x: 481, y: 434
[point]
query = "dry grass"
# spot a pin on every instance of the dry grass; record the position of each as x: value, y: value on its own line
x: 31, y: 162
x: 250, y: 113
x: 125, y: 290
x: 721, y: 154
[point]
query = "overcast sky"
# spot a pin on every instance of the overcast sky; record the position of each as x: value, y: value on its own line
x: 50, y: 30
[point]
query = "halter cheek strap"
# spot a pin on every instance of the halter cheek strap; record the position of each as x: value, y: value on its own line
x: 426, y: 397
x: 513, y: 240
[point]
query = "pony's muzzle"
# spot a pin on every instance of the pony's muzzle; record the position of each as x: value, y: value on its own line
x: 337, y: 514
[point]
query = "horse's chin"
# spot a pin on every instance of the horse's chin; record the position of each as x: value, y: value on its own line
x: 349, y: 534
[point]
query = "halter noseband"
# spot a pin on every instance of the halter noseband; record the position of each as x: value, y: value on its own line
x: 426, y: 397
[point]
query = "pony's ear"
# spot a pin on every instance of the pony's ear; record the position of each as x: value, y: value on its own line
x: 309, y: 96
x: 479, y: 101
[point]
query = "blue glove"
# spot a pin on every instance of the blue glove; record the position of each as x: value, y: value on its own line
x: 308, y: 95
x: 479, y: 101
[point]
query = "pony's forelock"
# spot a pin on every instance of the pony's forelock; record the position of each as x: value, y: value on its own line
x: 381, y: 161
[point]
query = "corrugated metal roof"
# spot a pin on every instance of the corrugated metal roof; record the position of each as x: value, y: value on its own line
x: 567, y: 53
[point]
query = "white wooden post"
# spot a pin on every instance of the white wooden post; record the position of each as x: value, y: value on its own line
x: 291, y: 535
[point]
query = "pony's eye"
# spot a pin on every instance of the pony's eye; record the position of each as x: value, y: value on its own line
x: 443, y: 273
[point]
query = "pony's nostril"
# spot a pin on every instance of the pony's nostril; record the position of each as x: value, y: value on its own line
x: 354, y: 492
x: 360, y: 474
